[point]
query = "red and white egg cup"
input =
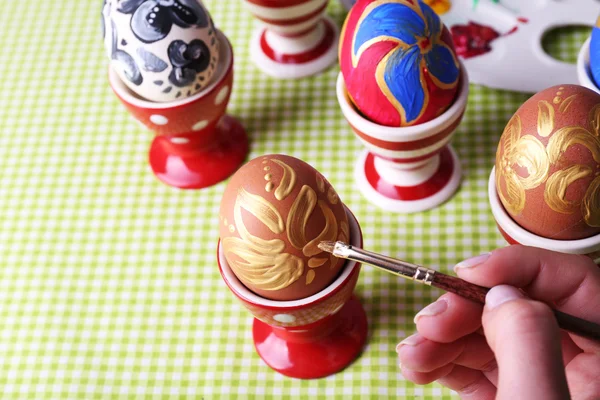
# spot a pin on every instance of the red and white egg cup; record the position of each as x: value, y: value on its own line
x: 196, y: 144
x: 407, y: 169
x: 515, y: 234
x: 297, y: 39
x: 313, y: 337
x: 583, y: 67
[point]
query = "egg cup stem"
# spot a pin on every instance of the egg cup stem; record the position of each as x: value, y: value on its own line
x: 295, y: 41
x: 407, y: 169
x: 317, y: 352
x: 190, y: 161
x: 394, y: 188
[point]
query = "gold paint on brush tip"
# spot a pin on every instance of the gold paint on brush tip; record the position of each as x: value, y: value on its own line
x: 327, y: 246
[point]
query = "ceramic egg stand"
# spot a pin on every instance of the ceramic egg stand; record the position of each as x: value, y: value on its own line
x: 297, y: 39
x: 312, y: 337
x: 407, y: 169
x: 196, y: 144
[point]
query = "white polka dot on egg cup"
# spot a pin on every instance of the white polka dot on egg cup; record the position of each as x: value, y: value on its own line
x: 295, y: 39
x: 196, y: 145
x: 312, y: 337
x: 584, y: 73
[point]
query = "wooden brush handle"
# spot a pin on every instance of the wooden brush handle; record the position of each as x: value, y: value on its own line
x: 477, y: 294
x: 460, y: 287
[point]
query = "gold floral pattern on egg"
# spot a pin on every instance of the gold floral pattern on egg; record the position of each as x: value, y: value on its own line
x: 261, y: 261
x: 530, y: 153
x: 264, y: 263
x: 526, y: 151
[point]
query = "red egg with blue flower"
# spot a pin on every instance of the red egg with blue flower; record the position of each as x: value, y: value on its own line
x: 398, y: 62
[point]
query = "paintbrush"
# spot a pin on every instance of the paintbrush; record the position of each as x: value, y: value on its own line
x: 448, y: 283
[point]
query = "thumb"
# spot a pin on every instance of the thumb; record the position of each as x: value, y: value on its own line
x: 525, y: 338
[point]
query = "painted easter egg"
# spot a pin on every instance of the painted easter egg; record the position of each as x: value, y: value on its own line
x: 275, y: 211
x: 548, y: 163
x: 398, y: 61
x: 595, y: 53
x: 162, y: 50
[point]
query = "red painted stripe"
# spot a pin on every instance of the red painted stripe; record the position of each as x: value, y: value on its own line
x: 300, y: 58
x: 426, y: 189
x: 408, y: 146
x: 413, y: 159
x: 277, y: 3
x: 293, y: 21
x: 301, y: 33
x: 506, y: 236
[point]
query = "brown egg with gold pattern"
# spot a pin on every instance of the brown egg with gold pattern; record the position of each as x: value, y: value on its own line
x: 275, y: 210
x: 548, y: 164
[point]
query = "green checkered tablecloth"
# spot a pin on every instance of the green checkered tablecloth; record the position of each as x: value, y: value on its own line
x: 109, y: 285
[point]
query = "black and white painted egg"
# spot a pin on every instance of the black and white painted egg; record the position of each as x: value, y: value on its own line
x: 164, y: 50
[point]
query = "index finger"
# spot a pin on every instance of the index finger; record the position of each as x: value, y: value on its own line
x: 569, y: 282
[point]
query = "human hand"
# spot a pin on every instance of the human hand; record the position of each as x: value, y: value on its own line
x: 512, y: 348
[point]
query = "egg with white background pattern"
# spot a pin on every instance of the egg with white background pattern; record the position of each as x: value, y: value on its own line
x: 163, y: 50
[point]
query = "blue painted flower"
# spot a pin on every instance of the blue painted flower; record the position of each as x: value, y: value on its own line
x: 417, y: 30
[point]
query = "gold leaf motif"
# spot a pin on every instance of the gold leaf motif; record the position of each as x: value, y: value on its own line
x: 264, y: 211
x: 511, y: 134
x: 288, y: 181
x: 556, y: 188
x: 258, y: 261
x: 590, y: 205
x: 298, y: 216
x: 345, y: 229
x: 320, y: 183
x: 514, y: 201
x: 545, y: 123
x: 267, y: 272
x: 569, y: 136
x: 310, y: 276
x: 257, y: 244
x: 530, y: 153
x: 594, y: 120
x: 564, y: 106
x: 332, y: 196
x: 316, y: 262
x: 329, y: 232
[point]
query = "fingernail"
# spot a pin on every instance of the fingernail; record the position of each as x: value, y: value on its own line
x: 412, y: 340
x: 472, y: 262
x: 501, y: 294
x: 433, y: 309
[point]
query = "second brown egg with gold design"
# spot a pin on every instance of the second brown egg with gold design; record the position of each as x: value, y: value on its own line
x: 548, y: 164
x: 275, y: 211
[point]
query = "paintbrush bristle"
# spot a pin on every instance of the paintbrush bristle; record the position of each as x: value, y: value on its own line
x: 327, y: 246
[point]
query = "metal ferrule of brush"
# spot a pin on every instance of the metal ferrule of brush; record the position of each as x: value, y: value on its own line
x: 396, y: 267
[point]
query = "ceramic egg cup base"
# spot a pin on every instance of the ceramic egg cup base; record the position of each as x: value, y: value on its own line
x: 340, y: 341
x: 437, y: 186
x: 282, y: 63
x: 186, y: 163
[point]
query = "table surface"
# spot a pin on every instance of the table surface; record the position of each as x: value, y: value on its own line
x: 109, y: 285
